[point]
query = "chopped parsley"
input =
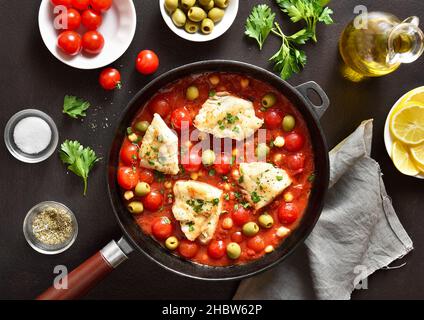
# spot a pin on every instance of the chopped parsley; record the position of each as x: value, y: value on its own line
x: 241, y: 179
x: 227, y: 196
x: 159, y: 176
x: 211, y: 172
x: 129, y: 130
x: 152, y: 163
x: 311, y: 178
x: 190, y: 226
x: 212, y: 93
x: 279, y: 178
x: 255, y: 197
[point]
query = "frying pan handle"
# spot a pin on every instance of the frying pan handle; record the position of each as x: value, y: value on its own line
x: 313, y: 86
x: 89, y: 273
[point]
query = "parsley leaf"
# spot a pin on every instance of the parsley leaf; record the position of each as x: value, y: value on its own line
x: 80, y: 160
x: 259, y: 23
x: 75, y: 107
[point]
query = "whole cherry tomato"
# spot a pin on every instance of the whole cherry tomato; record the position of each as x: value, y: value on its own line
x: 294, y: 142
x: 110, y: 79
x: 288, y: 213
x: 101, y: 5
x: 256, y: 243
x: 180, y: 117
x: 240, y: 216
x: 295, y: 161
x: 191, y: 161
x: 127, y: 177
x: 222, y: 164
x: 237, y: 237
x: 129, y: 154
x: 66, y: 3
x: 69, y: 42
x: 146, y: 175
x: 188, y: 249
x: 162, y: 228
x: 153, y: 201
x: 91, y: 19
x: 160, y: 106
x: 216, y: 249
x: 80, y: 5
x: 71, y: 18
x: 92, y: 42
x: 273, y: 119
x: 147, y: 62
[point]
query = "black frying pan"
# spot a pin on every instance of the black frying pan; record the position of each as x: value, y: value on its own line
x: 98, y: 266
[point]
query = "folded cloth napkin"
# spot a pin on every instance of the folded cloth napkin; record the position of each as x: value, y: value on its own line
x: 358, y: 233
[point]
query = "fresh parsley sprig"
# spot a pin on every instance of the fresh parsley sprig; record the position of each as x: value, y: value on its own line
x: 75, y: 107
x: 80, y: 160
x: 259, y: 23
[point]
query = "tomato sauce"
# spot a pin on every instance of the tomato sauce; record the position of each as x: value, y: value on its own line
x: 298, y: 164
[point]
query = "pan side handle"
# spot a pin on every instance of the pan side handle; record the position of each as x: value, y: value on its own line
x: 89, y: 273
x: 304, y: 89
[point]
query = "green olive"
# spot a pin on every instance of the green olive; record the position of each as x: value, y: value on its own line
x: 266, y: 221
x: 171, y: 5
x: 268, y: 100
x: 216, y: 14
x: 209, y: 6
x: 262, y: 150
x: 191, y: 27
x: 142, y: 189
x: 172, y: 243
x: 135, y: 207
x: 233, y: 250
x: 208, y: 157
x: 207, y: 26
x: 222, y: 3
x: 142, y: 126
x: 204, y: 2
x: 250, y: 229
x: 187, y: 4
x: 196, y: 14
x: 179, y: 18
x: 192, y: 93
x: 289, y: 122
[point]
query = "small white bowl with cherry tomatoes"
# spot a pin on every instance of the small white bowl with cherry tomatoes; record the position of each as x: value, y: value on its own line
x: 87, y: 34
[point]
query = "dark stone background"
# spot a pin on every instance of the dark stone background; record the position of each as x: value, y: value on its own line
x: 31, y: 77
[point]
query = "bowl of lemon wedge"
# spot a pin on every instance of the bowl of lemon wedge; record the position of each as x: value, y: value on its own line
x: 404, y: 133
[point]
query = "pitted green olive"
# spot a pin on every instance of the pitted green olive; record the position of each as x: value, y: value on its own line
x: 179, y: 18
x: 191, y: 27
x: 250, y: 229
x: 268, y: 100
x: 216, y: 14
x: 204, y: 2
x: 135, y: 207
x: 289, y: 122
x: 262, y: 150
x: 142, y: 189
x: 233, y: 250
x: 266, y: 221
x: 192, y: 93
x: 222, y: 3
x: 172, y: 243
x: 142, y: 126
x: 187, y: 4
x: 207, y: 26
x: 209, y: 6
x: 196, y: 14
x: 171, y: 5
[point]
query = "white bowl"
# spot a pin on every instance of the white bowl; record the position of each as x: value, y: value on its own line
x: 118, y: 29
x: 388, y: 139
x: 220, y: 28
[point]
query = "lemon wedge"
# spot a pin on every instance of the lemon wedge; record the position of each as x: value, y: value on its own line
x: 416, y: 96
x: 407, y: 125
x: 417, y: 153
x: 403, y: 160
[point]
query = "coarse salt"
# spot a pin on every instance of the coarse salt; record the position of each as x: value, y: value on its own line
x: 32, y: 135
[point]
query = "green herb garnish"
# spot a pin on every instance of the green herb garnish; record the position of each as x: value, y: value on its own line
x: 255, y: 197
x: 259, y: 23
x: 75, y: 107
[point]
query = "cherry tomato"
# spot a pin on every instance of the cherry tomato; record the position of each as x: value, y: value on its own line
x: 296, y: 161
x: 216, y: 249
x: 294, y: 142
x: 129, y: 154
x: 101, y: 5
x: 162, y: 228
x: 147, y: 62
x: 66, y: 3
x: 91, y: 19
x: 237, y: 237
x: 69, y: 42
x: 80, y: 5
x: 188, y: 249
x: 153, y: 201
x: 92, y: 42
x: 288, y: 213
x: 240, y: 216
x: 146, y: 175
x: 160, y: 106
x: 191, y: 161
x: 273, y: 119
x: 110, y: 79
x: 72, y: 18
x: 256, y: 243
x: 127, y: 177
x: 222, y: 164
x: 179, y: 116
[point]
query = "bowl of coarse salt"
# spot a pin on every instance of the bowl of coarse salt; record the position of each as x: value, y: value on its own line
x: 31, y: 136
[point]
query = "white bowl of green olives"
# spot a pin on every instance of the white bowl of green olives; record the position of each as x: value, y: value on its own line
x: 199, y: 20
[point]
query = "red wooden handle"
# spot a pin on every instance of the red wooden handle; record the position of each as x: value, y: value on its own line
x: 80, y: 280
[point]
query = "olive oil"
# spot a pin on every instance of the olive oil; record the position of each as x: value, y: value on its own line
x: 379, y: 46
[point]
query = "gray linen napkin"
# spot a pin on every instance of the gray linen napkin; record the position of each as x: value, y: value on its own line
x: 357, y: 233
